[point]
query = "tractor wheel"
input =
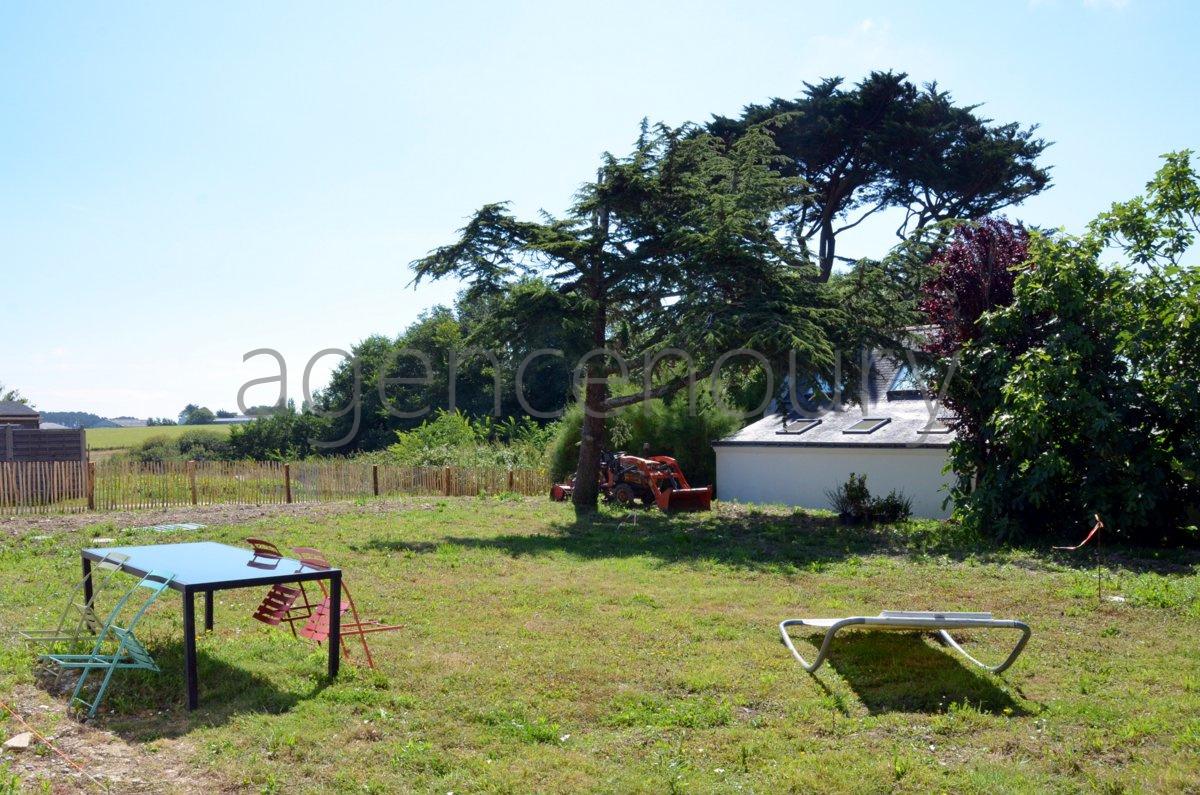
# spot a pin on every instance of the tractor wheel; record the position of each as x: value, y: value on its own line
x: 622, y: 494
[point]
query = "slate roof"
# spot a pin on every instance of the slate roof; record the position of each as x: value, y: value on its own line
x: 11, y: 408
x: 909, y: 419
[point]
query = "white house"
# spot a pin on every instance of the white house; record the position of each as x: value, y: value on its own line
x: 896, y: 436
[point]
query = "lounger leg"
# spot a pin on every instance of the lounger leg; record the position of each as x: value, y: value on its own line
x: 821, y: 654
x: 996, y: 669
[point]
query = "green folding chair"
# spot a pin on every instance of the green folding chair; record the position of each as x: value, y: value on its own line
x: 83, y: 611
x: 129, y: 653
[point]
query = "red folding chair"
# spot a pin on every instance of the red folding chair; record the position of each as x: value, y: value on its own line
x: 317, y: 627
x: 279, y: 605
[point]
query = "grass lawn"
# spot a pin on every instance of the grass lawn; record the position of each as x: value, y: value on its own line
x: 124, y: 438
x: 541, y: 654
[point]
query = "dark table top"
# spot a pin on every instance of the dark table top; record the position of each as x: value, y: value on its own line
x: 205, y: 565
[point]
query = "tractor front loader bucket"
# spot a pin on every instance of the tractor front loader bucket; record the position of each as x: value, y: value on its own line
x: 670, y: 500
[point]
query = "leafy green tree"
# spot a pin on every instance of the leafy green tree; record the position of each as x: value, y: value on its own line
x: 1060, y: 418
x: 193, y: 414
x: 884, y: 143
x: 1083, y: 388
x: 1157, y: 232
x: 284, y: 435
x: 478, y: 347
x: 12, y: 395
x: 400, y: 405
x: 681, y: 245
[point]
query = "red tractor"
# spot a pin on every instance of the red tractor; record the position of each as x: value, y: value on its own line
x: 655, y: 480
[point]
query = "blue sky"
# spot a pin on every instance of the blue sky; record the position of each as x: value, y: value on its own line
x: 180, y: 184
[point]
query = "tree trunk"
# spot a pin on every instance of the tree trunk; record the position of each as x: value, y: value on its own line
x: 826, y: 248
x: 591, y: 441
x: 587, y: 471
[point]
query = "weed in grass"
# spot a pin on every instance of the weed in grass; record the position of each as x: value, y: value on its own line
x: 1155, y: 590
x: 1189, y: 738
x: 417, y: 756
x: 661, y: 712
x: 513, y: 721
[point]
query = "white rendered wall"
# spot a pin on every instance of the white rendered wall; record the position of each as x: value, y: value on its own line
x: 802, y: 475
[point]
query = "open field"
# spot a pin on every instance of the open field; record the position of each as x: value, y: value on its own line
x: 99, y: 439
x: 543, y: 654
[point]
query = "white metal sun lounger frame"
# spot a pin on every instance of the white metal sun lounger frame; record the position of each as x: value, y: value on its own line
x: 905, y: 620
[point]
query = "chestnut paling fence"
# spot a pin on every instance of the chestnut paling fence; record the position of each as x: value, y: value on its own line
x: 75, y: 486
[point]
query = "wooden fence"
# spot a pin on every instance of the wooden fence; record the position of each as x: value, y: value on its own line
x: 74, y: 486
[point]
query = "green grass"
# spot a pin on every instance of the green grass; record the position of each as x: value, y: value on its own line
x: 124, y: 438
x: 541, y: 654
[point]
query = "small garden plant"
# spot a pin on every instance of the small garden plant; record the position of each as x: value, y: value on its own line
x: 854, y: 503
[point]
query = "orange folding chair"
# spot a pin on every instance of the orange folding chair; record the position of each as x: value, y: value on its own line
x: 279, y: 605
x: 317, y: 627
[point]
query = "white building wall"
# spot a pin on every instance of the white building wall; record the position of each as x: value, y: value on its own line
x: 801, y: 476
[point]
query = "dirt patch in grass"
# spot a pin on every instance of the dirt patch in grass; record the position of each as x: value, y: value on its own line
x: 99, y: 760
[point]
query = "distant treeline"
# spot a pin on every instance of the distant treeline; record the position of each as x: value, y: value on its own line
x: 77, y: 419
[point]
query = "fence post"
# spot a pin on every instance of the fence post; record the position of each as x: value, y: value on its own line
x: 375, y: 479
x: 91, y: 485
x: 287, y: 482
x: 510, y: 480
x: 191, y: 475
x: 446, y: 480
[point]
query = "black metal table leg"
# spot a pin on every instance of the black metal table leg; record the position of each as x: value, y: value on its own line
x: 335, y: 622
x: 208, y: 610
x: 87, y: 580
x: 189, y: 649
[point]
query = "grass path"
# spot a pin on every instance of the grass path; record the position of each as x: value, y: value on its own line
x: 544, y: 655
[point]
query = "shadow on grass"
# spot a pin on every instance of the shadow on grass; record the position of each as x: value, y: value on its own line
x: 143, y: 706
x: 767, y: 540
x: 381, y: 545
x: 750, y: 539
x: 901, y: 672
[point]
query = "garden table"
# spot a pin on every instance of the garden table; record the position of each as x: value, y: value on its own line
x: 205, y: 567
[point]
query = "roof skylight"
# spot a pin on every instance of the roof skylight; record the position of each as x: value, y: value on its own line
x: 794, y: 427
x: 867, y: 425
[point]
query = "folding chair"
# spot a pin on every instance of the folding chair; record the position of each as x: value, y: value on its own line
x: 907, y: 620
x: 98, y: 575
x: 129, y: 652
x: 279, y: 605
x: 317, y: 627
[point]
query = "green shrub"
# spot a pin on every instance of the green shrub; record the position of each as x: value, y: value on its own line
x: 285, y: 434
x: 895, y: 507
x: 452, y: 439
x: 853, y: 502
x: 668, y: 427
x: 189, y: 446
x: 852, y: 499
